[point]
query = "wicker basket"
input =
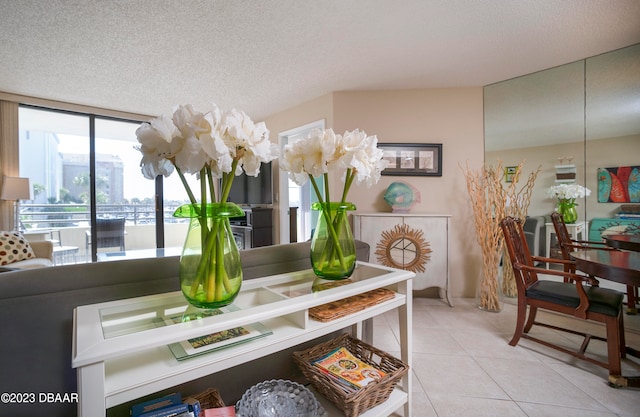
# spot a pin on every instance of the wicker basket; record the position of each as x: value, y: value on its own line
x: 208, y: 399
x: 352, y: 402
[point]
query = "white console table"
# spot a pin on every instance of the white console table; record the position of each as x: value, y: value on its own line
x: 121, y: 355
x: 416, y: 242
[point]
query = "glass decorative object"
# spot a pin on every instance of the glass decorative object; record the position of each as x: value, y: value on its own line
x: 210, y: 267
x: 333, y: 249
x: 567, y: 207
x: 279, y: 398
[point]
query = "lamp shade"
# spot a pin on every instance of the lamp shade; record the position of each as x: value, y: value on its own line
x: 15, y: 188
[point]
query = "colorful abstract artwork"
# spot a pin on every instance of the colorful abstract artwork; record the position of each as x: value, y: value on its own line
x: 619, y: 185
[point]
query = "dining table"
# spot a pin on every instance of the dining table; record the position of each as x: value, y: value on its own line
x: 624, y: 242
x: 618, y: 266
x: 613, y: 265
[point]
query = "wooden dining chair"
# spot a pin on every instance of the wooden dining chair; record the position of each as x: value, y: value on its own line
x: 579, y: 297
x: 567, y: 245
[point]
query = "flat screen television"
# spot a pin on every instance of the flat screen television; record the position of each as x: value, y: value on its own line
x: 248, y: 190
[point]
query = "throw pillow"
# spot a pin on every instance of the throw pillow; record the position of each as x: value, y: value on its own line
x: 14, y: 247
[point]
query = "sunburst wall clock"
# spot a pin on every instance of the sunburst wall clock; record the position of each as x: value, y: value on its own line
x: 403, y: 247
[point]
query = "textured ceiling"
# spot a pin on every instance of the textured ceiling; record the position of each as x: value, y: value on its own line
x: 145, y: 56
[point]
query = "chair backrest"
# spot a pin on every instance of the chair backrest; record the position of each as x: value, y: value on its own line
x: 562, y: 234
x: 516, y: 243
x: 110, y: 233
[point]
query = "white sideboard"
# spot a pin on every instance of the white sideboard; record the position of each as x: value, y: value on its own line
x: 121, y: 354
x: 414, y: 242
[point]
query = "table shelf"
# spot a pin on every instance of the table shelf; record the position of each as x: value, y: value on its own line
x: 121, y: 365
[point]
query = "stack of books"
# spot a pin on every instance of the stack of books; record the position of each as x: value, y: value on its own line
x: 168, y: 406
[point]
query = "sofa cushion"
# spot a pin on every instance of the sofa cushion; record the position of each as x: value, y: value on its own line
x: 14, y: 247
x: 31, y: 263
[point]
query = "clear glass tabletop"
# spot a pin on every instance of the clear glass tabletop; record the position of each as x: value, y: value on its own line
x: 150, y: 312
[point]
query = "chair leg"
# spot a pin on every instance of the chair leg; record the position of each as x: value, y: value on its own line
x: 532, y: 317
x: 615, y: 344
x: 631, y: 299
x: 623, y: 342
x: 522, y: 313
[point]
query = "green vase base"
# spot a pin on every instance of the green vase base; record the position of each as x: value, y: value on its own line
x: 334, y: 270
x: 334, y: 274
x: 200, y: 302
x: 193, y: 313
x: 333, y: 277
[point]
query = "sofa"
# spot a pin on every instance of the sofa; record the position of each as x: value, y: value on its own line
x: 43, y: 250
x: 36, y: 308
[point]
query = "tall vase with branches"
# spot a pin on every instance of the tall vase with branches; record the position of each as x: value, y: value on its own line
x: 517, y: 206
x: 489, y: 200
x: 487, y: 197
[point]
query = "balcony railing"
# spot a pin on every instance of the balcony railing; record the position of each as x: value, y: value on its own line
x: 38, y: 216
x: 68, y: 225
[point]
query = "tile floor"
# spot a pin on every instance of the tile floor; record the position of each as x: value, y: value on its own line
x: 464, y: 366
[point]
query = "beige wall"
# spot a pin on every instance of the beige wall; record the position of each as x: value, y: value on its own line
x: 603, y: 153
x: 318, y: 109
x: 451, y: 116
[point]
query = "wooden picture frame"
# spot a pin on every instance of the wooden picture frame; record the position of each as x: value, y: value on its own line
x: 413, y: 159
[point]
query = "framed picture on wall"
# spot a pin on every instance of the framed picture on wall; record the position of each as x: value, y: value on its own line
x: 413, y: 159
x: 511, y: 174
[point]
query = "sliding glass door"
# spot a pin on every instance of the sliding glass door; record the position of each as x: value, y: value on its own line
x: 89, y: 194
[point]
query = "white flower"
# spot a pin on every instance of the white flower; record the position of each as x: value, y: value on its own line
x: 352, y: 156
x: 155, y: 140
x: 191, y: 141
x: 568, y: 191
x: 361, y: 153
x: 247, y: 141
x: 312, y: 155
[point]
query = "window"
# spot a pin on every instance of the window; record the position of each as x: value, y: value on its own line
x: 85, y: 169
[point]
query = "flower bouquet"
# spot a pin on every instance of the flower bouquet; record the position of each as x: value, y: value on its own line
x: 216, y: 146
x: 566, y: 194
x: 356, y: 158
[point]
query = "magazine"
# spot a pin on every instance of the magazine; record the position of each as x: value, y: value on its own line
x: 215, y: 341
x: 346, y: 367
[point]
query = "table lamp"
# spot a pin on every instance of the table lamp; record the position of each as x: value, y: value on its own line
x: 16, y: 189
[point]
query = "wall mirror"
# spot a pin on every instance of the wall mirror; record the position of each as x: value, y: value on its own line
x: 580, y: 117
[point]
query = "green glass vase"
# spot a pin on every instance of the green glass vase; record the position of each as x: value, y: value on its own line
x: 333, y: 249
x: 210, y: 267
x: 567, y: 207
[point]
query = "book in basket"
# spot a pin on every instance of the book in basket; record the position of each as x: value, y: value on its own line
x: 345, y: 367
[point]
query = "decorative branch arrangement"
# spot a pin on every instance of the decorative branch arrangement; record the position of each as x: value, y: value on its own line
x: 517, y: 206
x: 489, y: 202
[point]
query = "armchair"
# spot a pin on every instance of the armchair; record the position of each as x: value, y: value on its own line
x: 578, y: 297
